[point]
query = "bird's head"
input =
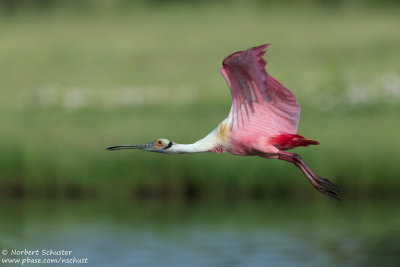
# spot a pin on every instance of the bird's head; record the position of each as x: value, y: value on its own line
x: 160, y: 145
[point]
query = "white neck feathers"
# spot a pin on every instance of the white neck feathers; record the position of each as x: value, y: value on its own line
x: 213, y: 142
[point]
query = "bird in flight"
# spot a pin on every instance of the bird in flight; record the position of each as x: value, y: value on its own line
x: 262, y: 120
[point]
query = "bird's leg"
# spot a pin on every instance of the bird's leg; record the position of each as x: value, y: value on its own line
x: 309, y: 175
x: 323, y: 185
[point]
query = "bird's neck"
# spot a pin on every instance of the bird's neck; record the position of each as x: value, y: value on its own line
x: 213, y: 142
x: 188, y: 148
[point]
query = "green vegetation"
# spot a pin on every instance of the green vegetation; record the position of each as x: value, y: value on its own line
x: 73, y: 83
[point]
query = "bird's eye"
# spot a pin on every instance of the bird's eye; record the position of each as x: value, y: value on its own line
x: 159, y: 142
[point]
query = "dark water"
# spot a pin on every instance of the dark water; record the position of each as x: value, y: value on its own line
x: 268, y: 233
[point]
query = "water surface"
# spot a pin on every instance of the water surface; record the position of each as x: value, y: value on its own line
x: 267, y: 233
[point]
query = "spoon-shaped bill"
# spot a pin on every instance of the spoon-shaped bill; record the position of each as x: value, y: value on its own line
x: 142, y: 146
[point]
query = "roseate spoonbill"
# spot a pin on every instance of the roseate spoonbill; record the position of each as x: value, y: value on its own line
x: 262, y: 121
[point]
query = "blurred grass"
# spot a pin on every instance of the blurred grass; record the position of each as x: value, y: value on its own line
x: 74, y: 83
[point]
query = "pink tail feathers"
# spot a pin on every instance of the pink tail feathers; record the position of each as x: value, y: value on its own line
x: 288, y: 141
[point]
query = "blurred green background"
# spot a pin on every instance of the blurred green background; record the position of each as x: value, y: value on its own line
x: 79, y: 76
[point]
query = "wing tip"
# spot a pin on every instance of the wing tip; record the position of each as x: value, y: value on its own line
x: 261, y: 47
x: 258, y: 51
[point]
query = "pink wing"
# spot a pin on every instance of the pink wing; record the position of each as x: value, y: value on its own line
x: 260, y: 104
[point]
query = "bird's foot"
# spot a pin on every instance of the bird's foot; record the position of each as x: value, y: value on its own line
x: 328, y: 188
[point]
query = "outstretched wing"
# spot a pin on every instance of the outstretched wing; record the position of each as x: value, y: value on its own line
x: 258, y: 100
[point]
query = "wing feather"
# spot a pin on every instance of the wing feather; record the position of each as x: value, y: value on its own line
x: 258, y: 96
